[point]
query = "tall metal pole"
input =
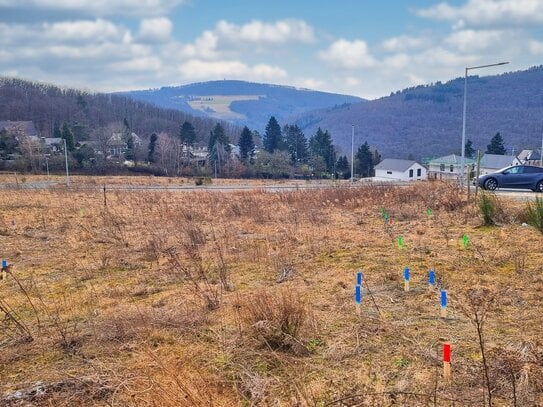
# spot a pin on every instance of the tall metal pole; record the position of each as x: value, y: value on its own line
x: 66, y: 161
x: 47, y: 166
x: 352, y: 153
x: 463, y: 159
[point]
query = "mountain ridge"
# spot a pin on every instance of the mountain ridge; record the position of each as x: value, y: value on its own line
x: 426, y: 120
x: 241, y: 102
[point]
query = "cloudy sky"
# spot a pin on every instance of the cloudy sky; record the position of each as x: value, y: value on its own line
x: 367, y: 48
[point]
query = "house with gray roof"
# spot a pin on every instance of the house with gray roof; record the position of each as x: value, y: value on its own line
x: 392, y: 169
x: 494, y: 162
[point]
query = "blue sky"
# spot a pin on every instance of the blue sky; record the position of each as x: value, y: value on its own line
x: 367, y: 48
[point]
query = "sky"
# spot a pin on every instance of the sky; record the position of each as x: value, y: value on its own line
x: 367, y: 48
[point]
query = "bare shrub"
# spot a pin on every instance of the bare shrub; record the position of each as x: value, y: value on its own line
x: 276, y: 319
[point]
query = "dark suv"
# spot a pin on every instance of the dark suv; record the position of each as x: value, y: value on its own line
x: 517, y: 176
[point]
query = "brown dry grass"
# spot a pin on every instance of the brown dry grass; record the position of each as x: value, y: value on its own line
x: 246, y: 298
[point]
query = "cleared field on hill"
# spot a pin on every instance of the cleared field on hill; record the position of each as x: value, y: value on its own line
x: 219, y: 105
x: 247, y: 298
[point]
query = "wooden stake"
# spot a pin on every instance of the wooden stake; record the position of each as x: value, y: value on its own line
x: 447, y: 361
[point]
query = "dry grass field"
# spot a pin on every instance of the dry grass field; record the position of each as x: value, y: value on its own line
x: 247, y: 299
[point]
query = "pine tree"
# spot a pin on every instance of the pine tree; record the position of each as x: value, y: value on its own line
x: 187, y: 134
x: 468, y: 149
x: 321, y: 145
x: 365, y: 160
x: 67, y: 135
x: 273, y: 139
x: 129, y: 154
x: 496, y: 145
x: 151, y: 148
x: 343, y: 167
x: 296, y: 144
x: 246, y: 146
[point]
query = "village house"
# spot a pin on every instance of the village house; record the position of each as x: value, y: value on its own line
x: 494, y: 162
x: 117, y: 145
x: 529, y: 157
x: 448, y: 167
x: 392, y: 169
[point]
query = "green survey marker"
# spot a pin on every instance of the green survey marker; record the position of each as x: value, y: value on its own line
x: 400, y: 242
x: 465, y: 241
x: 428, y: 212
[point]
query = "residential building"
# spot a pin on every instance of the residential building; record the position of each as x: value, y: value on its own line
x: 399, y: 170
x: 494, y: 162
x: 529, y: 157
x: 448, y: 167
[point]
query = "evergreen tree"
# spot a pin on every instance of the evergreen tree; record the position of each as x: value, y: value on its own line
x: 187, y: 134
x: 365, y: 160
x: 246, y: 146
x: 273, y: 139
x: 296, y: 144
x: 56, y: 131
x: 321, y: 145
x: 468, y: 149
x: 343, y: 168
x: 129, y: 154
x: 126, y: 132
x: 67, y: 135
x: 151, y: 148
x: 496, y: 145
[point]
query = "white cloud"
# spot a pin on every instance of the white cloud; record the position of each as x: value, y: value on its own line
x: 279, y: 32
x: 138, y: 64
x: 475, y: 40
x: 155, y: 29
x: 348, y: 54
x: 484, y: 13
x: 207, y: 70
x: 404, y: 43
x: 98, y: 30
x: 536, y: 47
x: 101, y: 7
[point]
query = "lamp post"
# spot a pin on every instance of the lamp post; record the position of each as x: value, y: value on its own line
x: 463, y: 159
x: 352, y: 153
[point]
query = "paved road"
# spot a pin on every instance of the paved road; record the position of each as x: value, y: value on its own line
x: 518, y: 194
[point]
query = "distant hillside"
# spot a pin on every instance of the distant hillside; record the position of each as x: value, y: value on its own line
x: 242, y: 103
x: 427, y: 120
x: 46, y: 105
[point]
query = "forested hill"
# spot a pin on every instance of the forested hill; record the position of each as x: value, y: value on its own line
x: 240, y: 102
x: 427, y: 120
x: 47, y: 105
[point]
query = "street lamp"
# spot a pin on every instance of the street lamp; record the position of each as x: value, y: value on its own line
x: 352, y: 153
x: 463, y: 160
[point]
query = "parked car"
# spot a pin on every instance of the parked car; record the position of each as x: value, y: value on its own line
x: 516, y: 176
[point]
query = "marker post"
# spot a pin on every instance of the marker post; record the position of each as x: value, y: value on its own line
x: 4, y: 269
x: 447, y: 361
x: 406, y: 279
x: 431, y: 279
x: 358, y: 298
x: 443, y: 304
x: 359, y: 278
